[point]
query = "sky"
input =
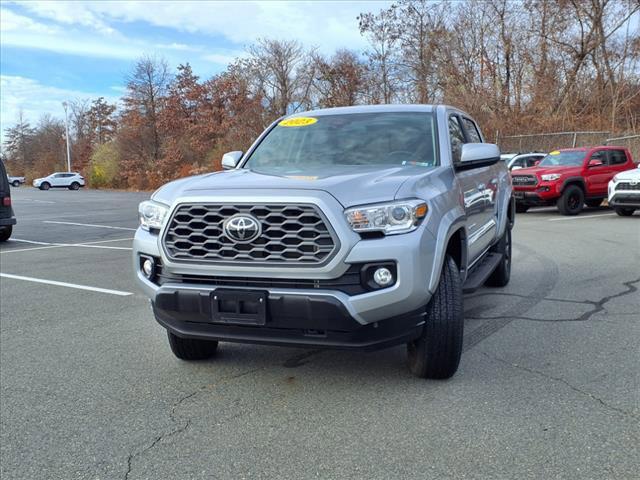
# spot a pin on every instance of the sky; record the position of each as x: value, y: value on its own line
x: 52, y: 51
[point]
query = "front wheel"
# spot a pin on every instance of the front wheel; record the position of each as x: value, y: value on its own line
x: 191, y: 348
x: 625, y: 212
x: 5, y: 233
x: 436, y: 353
x: 16, y: 183
x: 571, y: 201
x: 74, y: 186
x: 45, y: 186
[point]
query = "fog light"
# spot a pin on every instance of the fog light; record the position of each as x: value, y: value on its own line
x: 383, y: 277
x: 147, y: 268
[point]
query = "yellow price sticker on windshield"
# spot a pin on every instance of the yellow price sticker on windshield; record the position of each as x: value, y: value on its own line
x: 555, y: 152
x: 298, y: 122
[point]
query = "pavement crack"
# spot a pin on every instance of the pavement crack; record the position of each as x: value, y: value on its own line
x: 564, y: 382
x: 179, y: 426
x: 598, y: 306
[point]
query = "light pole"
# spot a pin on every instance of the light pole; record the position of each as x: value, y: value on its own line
x: 66, y: 126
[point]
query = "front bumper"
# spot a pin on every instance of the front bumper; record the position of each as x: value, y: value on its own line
x: 624, y: 199
x: 292, y: 320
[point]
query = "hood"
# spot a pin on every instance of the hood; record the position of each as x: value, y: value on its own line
x: 633, y: 174
x: 537, y: 171
x: 349, y: 184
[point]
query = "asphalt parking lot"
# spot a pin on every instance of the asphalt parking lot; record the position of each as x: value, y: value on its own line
x: 549, y: 384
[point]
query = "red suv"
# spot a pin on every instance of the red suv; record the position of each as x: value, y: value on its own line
x: 569, y: 178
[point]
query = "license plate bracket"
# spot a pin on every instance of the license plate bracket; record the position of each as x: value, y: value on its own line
x: 239, y: 307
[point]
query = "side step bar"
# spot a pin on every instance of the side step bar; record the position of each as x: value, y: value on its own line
x: 481, y: 272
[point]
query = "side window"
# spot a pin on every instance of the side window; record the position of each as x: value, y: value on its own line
x: 617, y: 157
x: 457, y: 138
x: 473, y: 135
x: 600, y: 155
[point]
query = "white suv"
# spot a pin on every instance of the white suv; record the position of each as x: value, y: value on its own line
x: 70, y: 180
x: 624, y: 192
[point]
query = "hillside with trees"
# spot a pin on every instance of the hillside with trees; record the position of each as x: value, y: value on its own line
x: 517, y: 67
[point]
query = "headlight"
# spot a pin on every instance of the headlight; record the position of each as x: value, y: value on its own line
x: 152, y: 215
x: 550, y: 177
x: 389, y: 218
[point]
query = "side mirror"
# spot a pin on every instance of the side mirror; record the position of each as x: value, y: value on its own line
x: 478, y: 155
x: 230, y: 160
x: 595, y: 163
x: 535, y: 163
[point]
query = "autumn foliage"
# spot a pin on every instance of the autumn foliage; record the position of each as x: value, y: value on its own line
x: 517, y: 67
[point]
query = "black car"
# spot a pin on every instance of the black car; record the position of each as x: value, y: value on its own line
x: 7, y: 218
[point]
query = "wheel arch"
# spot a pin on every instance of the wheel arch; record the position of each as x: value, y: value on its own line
x: 452, y: 240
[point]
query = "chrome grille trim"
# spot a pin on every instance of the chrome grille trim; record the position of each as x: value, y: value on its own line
x: 292, y: 234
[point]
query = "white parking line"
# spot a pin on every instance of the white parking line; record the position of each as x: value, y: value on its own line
x: 30, y: 241
x: 61, y: 245
x: 68, y: 285
x: 36, y: 201
x: 581, y: 217
x: 89, y: 225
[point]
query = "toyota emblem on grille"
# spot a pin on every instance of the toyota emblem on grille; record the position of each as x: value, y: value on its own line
x: 242, y: 228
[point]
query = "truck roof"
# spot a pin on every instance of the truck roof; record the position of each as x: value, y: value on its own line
x: 370, y: 109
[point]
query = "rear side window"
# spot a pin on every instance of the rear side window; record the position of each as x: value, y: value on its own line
x: 4, y: 181
x: 457, y: 138
x: 473, y: 135
x: 617, y: 157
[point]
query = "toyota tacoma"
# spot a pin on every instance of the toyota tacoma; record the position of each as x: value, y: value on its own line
x: 570, y: 178
x: 354, y: 227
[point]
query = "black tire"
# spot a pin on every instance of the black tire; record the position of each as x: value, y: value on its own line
x: 45, y: 186
x: 521, y: 208
x: 5, y: 232
x: 190, y: 348
x: 436, y: 354
x: 625, y: 211
x: 501, y: 275
x: 595, y: 203
x: 16, y: 183
x: 74, y: 186
x: 571, y: 201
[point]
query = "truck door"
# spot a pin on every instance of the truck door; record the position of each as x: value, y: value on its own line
x: 479, y: 186
x: 598, y: 176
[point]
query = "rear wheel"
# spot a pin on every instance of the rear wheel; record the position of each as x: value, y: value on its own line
x: 190, y: 348
x: 5, y: 233
x: 571, y: 201
x: 595, y: 203
x: 625, y: 212
x: 74, y: 186
x: 436, y: 353
x: 521, y: 208
x: 16, y: 183
x: 45, y: 186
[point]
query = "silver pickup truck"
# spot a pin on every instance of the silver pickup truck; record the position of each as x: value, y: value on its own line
x: 354, y: 227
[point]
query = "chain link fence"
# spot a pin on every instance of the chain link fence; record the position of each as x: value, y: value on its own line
x: 632, y: 142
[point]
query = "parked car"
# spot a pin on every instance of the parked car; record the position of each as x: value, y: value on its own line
x: 525, y: 160
x: 341, y: 228
x: 70, y: 180
x: 624, y: 192
x: 570, y: 178
x: 15, y: 181
x: 7, y: 217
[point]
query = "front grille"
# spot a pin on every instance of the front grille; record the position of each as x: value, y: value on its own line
x: 289, y: 234
x: 628, y: 186
x: 348, y: 283
x: 524, y: 180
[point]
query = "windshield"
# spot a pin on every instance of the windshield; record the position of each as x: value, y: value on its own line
x: 568, y: 158
x: 391, y: 139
